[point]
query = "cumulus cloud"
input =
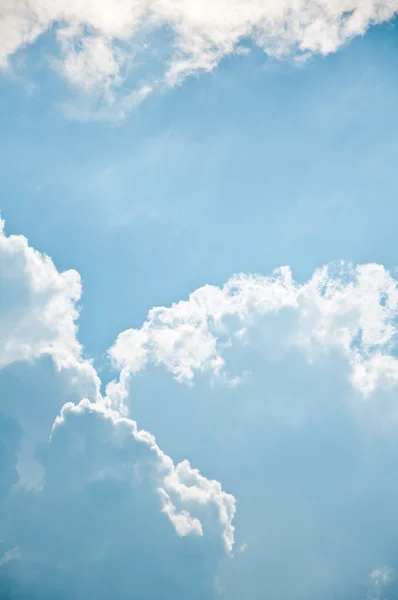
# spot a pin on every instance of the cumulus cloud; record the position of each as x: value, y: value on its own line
x: 184, y: 494
x: 38, y: 308
x: 110, y: 506
x: 115, y: 516
x: 108, y: 498
x: 303, y: 452
x: 342, y: 308
x: 103, y: 44
x: 38, y: 315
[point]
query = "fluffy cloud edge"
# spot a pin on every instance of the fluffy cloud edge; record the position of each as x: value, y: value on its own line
x: 102, y: 46
x: 351, y: 309
x: 184, y: 494
x: 45, y: 324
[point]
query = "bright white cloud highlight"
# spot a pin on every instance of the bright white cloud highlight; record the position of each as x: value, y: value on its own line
x: 103, y: 43
x: 193, y: 503
x: 39, y: 309
x: 349, y: 309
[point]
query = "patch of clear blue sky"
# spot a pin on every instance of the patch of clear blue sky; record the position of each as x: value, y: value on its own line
x: 255, y: 165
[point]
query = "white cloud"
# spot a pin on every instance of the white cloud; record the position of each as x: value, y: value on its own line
x: 381, y: 578
x: 12, y: 554
x: 114, y: 514
x: 349, y: 309
x: 101, y: 43
x: 88, y: 447
x: 186, y: 497
x: 39, y: 308
x: 38, y: 324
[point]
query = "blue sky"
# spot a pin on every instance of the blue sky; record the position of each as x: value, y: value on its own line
x: 179, y: 417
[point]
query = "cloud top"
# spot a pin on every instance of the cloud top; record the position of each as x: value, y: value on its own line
x: 352, y: 310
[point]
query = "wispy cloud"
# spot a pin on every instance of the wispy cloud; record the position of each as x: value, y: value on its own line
x: 12, y: 554
x: 381, y: 578
x: 102, y: 45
